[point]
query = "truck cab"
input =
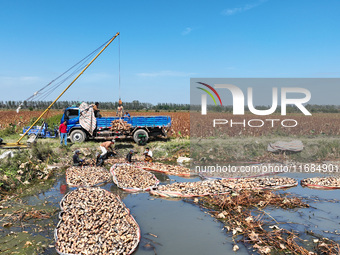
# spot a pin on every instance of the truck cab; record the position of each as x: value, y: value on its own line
x: 71, y: 115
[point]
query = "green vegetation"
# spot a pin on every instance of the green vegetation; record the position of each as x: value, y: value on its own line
x: 52, y: 122
x: 9, y: 131
x: 255, y: 149
x: 30, y: 165
x: 170, y: 149
x: 25, y: 166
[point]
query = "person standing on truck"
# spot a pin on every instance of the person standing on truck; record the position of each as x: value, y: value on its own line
x: 63, y: 132
x: 120, y: 109
x: 148, y: 155
x: 129, y: 156
x: 95, y: 107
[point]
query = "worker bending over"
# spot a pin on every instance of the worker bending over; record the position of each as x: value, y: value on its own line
x: 76, y: 160
x: 105, y: 147
x: 129, y: 156
x: 148, y: 155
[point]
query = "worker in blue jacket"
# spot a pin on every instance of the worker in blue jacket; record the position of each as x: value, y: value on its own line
x: 127, y: 115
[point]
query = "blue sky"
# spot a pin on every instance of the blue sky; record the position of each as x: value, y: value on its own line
x: 163, y: 44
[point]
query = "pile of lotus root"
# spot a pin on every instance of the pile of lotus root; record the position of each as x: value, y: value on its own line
x: 322, y: 182
x: 86, y: 176
x: 224, y: 185
x: 95, y: 221
x: 120, y: 125
x: 167, y: 169
x: 129, y: 176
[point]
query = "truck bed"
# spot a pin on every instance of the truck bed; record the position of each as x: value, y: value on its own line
x: 149, y: 121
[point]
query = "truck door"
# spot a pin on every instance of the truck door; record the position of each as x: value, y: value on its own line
x: 72, y: 116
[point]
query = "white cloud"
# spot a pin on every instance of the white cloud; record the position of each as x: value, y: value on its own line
x: 232, y: 11
x: 166, y: 73
x: 19, y: 87
x: 8, y: 81
x: 187, y: 31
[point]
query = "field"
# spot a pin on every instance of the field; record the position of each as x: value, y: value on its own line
x: 320, y: 124
x: 23, y: 118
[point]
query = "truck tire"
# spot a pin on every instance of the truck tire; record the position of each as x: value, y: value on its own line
x: 141, y: 137
x: 77, y: 136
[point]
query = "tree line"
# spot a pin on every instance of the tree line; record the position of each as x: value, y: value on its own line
x: 137, y: 106
x: 60, y: 105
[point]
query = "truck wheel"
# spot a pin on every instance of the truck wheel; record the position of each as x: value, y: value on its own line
x: 77, y: 136
x: 141, y: 137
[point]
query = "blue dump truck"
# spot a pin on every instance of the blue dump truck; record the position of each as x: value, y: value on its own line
x: 139, y: 128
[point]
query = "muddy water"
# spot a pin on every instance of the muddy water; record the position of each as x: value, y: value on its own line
x: 323, y: 216
x: 167, y: 226
x: 171, y: 226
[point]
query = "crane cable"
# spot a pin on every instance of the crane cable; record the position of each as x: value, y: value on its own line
x: 81, y: 64
x: 119, y: 63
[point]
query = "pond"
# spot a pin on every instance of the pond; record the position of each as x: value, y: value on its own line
x: 170, y: 226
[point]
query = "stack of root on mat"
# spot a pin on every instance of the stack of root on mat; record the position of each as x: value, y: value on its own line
x: 225, y: 185
x: 129, y: 176
x: 86, y: 176
x: 169, y: 169
x: 120, y: 125
x: 95, y: 221
x: 333, y: 182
